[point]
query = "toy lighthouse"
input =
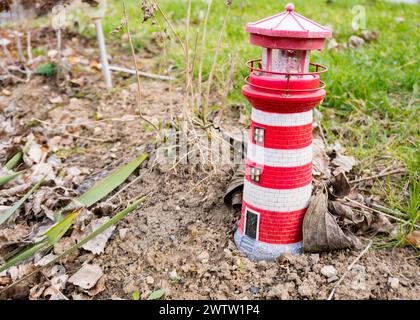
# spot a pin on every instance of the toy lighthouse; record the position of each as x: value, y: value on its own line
x: 283, y: 88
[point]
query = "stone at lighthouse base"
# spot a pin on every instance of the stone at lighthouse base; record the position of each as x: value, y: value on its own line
x: 257, y: 250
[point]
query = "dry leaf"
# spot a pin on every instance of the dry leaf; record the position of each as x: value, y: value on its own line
x: 344, y: 211
x: 87, y: 276
x: 54, y: 294
x: 97, y: 244
x: 340, y: 186
x: 370, y: 35
x: 98, y: 288
x: 380, y: 224
x: 414, y: 238
x: 321, y: 231
x: 233, y: 194
x: 343, y: 163
x: 320, y: 160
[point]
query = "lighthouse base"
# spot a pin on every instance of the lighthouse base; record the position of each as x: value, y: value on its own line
x: 257, y: 250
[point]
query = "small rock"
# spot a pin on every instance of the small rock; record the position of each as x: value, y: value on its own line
x: 150, y: 280
x: 404, y: 283
x: 74, y: 171
x: 173, y: 275
x: 6, y: 92
x: 203, y: 257
x: 328, y: 271
x: 130, y: 287
x: 355, y: 42
x: 280, y: 291
x: 292, y: 277
x: 305, y: 290
x: 314, y: 258
x: 359, y: 277
x: 52, y: 53
x: 123, y: 233
x: 394, y: 283
x: 332, y: 279
x: 254, y: 290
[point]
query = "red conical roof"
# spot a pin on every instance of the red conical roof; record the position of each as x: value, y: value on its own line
x: 289, y: 24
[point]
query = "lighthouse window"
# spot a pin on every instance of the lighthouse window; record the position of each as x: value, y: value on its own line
x: 258, y: 135
x: 255, y: 174
x: 251, y: 224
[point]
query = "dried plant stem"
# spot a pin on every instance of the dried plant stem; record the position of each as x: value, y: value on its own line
x: 349, y: 269
x: 203, y: 41
x: 129, y: 117
x: 187, y: 51
x: 380, y: 212
x: 29, y: 47
x: 19, y: 46
x: 386, y: 210
x: 165, y: 17
x: 192, y: 67
x: 379, y: 175
x: 133, y: 53
x: 213, y: 67
x: 228, y: 83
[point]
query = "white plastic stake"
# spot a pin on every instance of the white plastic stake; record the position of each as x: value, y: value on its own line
x: 102, y: 49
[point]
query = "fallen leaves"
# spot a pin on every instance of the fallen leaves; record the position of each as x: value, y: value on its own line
x: 355, y: 41
x: 97, y: 244
x: 340, y: 186
x: 320, y: 229
x: 87, y: 276
x: 343, y: 163
x: 320, y: 159
x: 413, y: 238
x: 155, y: 295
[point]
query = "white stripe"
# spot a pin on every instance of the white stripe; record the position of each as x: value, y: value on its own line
x: 277, y: 200
x: 281, y: 119
x: 279, y: 157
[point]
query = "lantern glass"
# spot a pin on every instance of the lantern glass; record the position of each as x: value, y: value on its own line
x: 288, y: 61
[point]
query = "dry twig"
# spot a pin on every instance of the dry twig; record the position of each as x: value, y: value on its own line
x: 349, y: 269
x: 133, y: 53
x: 379, y: 175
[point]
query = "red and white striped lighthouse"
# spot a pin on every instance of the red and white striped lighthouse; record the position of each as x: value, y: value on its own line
x: 283, y: 88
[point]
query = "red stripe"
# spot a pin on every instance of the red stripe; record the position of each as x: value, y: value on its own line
x: 277, y: 227
x: 280, y: 177
x: 293, y: 137
x: 283, y: 103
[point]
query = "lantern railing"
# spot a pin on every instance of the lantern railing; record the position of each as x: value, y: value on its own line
x: 319, y: 69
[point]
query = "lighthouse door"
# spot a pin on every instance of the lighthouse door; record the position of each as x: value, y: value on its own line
x: 251, y: 225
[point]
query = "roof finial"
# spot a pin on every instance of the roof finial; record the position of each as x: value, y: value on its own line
x: 289, y: 7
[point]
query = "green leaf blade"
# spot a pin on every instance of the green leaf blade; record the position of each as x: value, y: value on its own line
x: 156, y: 294
x: 6, y: 179
x: 7, y: 214
x: 111, y: 182
x: 27, y: 253
x: 44, y: 244
x: 13, y: 161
